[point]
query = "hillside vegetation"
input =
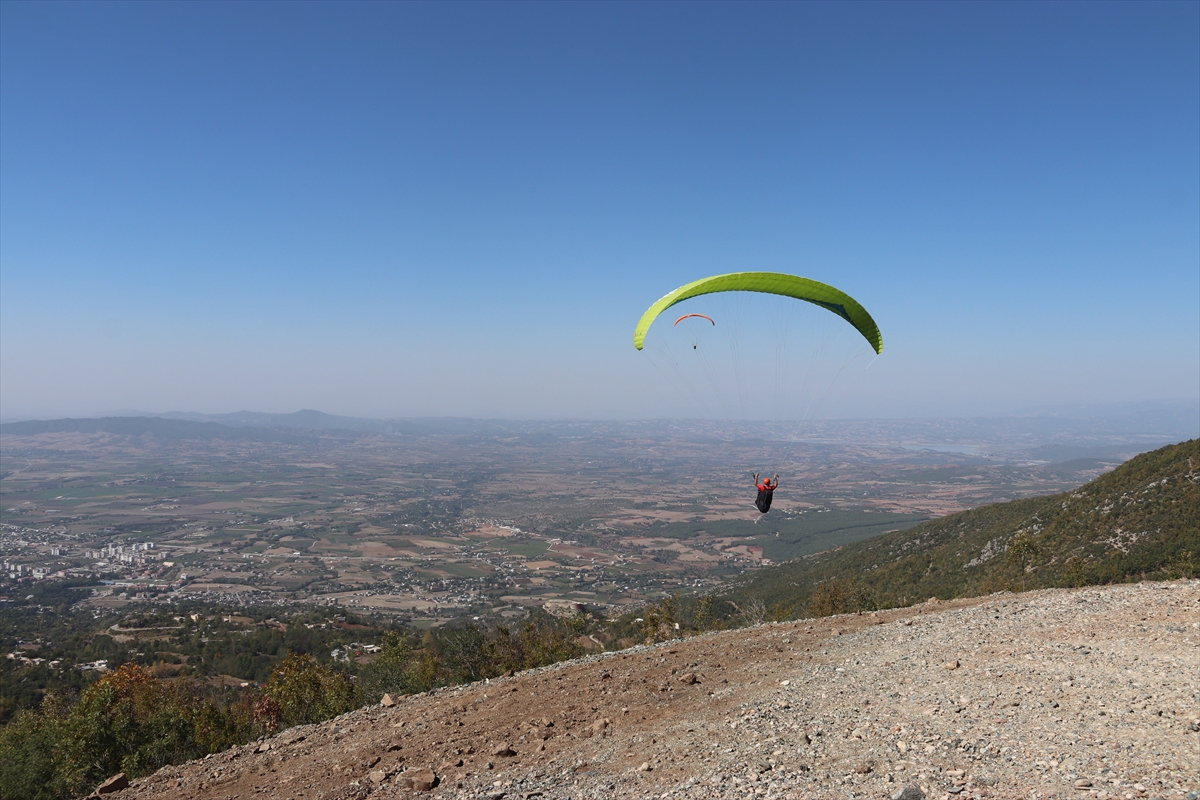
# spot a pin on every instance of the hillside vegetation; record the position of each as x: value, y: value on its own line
x: 1140, y: 521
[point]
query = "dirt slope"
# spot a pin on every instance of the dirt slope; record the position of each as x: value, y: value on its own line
x: 1068, y: 693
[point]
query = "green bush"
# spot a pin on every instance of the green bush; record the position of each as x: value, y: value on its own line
x: 27, y: 747
x: 392, y: 671
x: 127, y: 721
x: 307, y: 691
x: 130, y: 721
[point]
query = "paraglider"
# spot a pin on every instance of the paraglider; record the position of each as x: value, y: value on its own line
x: 690, y: 316
x: 821, y: 294
x: 772, y: 283
x: 766, y: 491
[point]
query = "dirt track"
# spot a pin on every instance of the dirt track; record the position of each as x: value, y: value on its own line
x: 1070, y: 693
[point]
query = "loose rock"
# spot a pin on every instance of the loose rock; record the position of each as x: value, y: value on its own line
x: 114, y: 784
x: 422, y: 779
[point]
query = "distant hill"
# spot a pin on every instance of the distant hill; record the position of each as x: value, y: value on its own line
x: 165, y: 429
x: 1047, y: 436
x: 191, y: 425
x: 1142, y: 520
x: 308, y: 419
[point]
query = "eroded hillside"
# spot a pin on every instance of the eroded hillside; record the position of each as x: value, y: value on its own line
x: 1061, y: 693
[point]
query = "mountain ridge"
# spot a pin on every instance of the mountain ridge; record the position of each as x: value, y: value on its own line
x: 1141, y: 520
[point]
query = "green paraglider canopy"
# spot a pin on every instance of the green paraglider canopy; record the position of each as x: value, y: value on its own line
x: 821, y: 294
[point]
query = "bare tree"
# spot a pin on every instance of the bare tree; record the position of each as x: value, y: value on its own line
x: 754, y: 610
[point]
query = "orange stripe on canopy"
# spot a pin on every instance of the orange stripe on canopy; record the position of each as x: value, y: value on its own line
x: 702, y: 316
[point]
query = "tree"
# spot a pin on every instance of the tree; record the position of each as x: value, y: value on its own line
x: 27, y: 746
x: 754, y: 610
x: 396, y: 670
x: 128, y: 721
x: 702, y: 618
x: 463, y: 653
x: 1022, y: 549
x: 307, y: 691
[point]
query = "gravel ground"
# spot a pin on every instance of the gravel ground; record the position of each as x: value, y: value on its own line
x: 1087, y: 693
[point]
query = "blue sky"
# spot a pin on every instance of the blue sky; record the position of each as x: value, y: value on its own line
x: 462, y: 209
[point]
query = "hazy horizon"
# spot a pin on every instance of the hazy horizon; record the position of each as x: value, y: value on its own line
x: 1159, y: 421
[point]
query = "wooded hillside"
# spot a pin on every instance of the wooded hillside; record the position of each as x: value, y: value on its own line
x: 1140, y: 521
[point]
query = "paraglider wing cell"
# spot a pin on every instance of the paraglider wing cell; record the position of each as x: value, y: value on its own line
x: 821, y: 294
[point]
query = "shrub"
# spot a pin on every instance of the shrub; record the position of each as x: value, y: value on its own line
x: 308, y: 692
x: 127, y: 721
x: 27, y: 746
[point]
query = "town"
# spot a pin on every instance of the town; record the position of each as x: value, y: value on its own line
x: 600, y: 515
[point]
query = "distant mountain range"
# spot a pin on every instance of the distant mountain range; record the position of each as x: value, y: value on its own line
x: 1072, y: 438
x: 1151, y: 423
x: 247, y: 425
x: 309, y: 419
x: 1140, y: 521
x: 165, y: 429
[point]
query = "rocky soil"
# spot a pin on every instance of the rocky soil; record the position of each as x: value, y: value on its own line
x: 1089, y: 693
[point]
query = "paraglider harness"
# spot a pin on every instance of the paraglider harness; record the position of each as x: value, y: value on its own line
x: 766, y: 491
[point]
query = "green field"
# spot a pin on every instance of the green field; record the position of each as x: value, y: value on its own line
x: 528, y: 549
x: 791, y: 535
x: 461, y: 570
